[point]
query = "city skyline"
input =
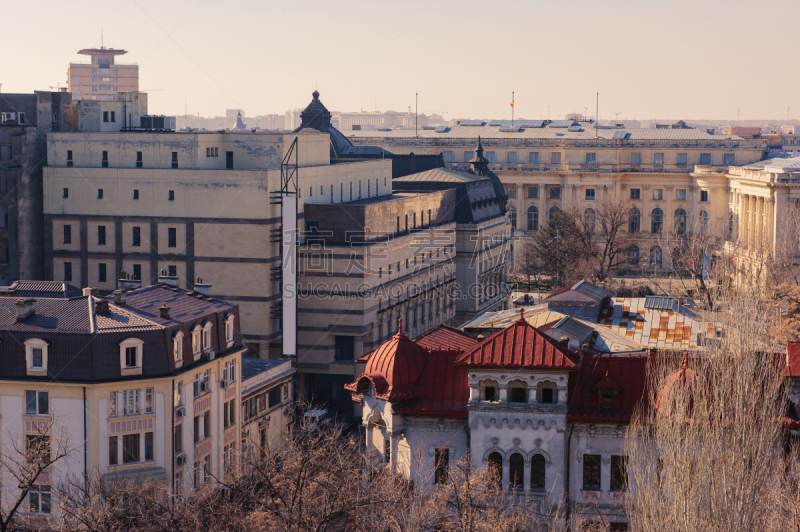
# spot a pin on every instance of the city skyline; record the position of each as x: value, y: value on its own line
x: 647, y: 60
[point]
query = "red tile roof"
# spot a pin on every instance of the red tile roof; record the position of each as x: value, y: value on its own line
x: 629, y: 374
x: 793, y: 359
x: 445, y: 388
x: 520, y: 346
x: 446, y: 337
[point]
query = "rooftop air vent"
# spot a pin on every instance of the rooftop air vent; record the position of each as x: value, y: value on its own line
x: 509, y: 129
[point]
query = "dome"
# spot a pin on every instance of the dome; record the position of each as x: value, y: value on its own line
x: 315, y: 115
x: 684, y: 373
x: 239, y: 125
x: 396, y: 366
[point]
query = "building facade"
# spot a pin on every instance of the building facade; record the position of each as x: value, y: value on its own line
x: 102, y: 77
x: 144, y: 383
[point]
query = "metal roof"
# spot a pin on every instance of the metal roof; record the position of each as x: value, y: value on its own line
x: 659, y: 302
x: 574, y: 328
x: 442, y: 175
x: 588, y: 289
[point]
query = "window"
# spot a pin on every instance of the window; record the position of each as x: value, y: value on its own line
x: 136, y: 194
x: 635, y: 193
x: 533, y: 219
x: 512, y: 216
x: 172, y: 270
x: 704, y: 196
x: 703, y: 222
x: 137, y: 272
x: 511, y: 191
x: 489, y: 393
x: 130, y: 448
x: 589, y: 218
x: 657, y: 220
x: 207, y: 423
x: 139, y: 161
x: 137, y: 236
x: 538, y: 474
x: 171, y: 195
x: 113, y: 116
x: 174, y: 159
x: 37, y: 403
x: 591, y: 158
x: 728, y: 159
x: 228, y: 160
x: 516, y: 471
x: 113, y: 459
x: 555, y: 157
x: 131, y: 357
x: 682, y: 159
x: 196, y: 429
x: 67, y: 234
x: 496, y: 469
x: 99, y: 193
x: 511, y: 158
x: 197, y: 477
x: 680, y: 221
x: 658, y: 158
x: 590, y: 194
x: 442, y: 461
x: 67, y: 271
x: 533, y: 192
x: 344, y: 348
x: 196, y: 340
x: 229, y: 329
x: 112, y: 404
x: 177, y: 347
x: 548, y: 396
x: 633, y: 255
x: 148, y: 400
x: 619, y: 473
x: 65, y: 193
x: 148, y: 445
x: 105, y: 159
x: 207, y: 337
x: 555, y: 192
x: 518, y: 395
x: 655, y: 257
x: 658, y: 194
x: 636, y: 158
x: 39, y: 500
x: 101, y: 272
x: 130, y: 402
x: 490, y: 156
x: 591, y: 471
x: 179, y: 393
x: 172, y: 237
x: 533, y: 157
x: 206, y: 469
x: 105, y: 116
x: 448, y: 156
x: 551, y: 214
x: 177, y: 439
x: 680, y: 194
x: 705, y: 158
x: 634, y: 220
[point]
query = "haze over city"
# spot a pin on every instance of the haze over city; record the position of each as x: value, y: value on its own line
x: 648, y: 59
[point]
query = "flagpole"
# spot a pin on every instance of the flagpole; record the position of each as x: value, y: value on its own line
x: 512, y: 108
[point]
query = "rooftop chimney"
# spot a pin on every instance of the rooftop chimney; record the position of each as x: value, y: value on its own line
x: 164, y: 309
x: 202, y: 288
x: 25, y: 308
x: 91, y: 291
x: 169, y: 280
x: 481, y: 337
x: 127, y: 282
x: 101, y: 307
x: 119, y: 298
x: 565, y: 340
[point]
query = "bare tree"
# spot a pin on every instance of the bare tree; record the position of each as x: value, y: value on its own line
x: 29, y: 466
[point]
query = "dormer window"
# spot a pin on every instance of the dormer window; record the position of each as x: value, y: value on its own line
x: 196, y: 340
x: 130, y: 354
x: 36, y: 355
x: 177, y: 347
x: 606, y: 395
x: 207, y: 337
x: 229, y: 330
x: 607, y: 390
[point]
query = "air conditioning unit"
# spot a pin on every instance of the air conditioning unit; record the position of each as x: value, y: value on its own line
x: 203, y: 387
x: 223, y: 383
x: 9, y: 115
x: 181, y: 412
x: 180, y: 459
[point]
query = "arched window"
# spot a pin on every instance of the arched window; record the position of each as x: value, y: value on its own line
x: 512, y: 214
x: 516, y: 471
x: 633, y: 255
x: 496, y: 469
x: 547, y: 393
x: 538, y: 472
x: 533, y: 219
x: 517, y: 392
x: 680, y: 221
x: 703, y: 222
x: 552, y: 213
x: 657, y: 218
x: 655, y: 256
x: 634, y: 220
x: 589, y: 218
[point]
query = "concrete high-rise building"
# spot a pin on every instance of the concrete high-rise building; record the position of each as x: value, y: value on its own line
x: 102, y: 77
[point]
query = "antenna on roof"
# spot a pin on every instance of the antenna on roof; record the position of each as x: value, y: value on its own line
x: 416, y: 113
x: 101, y: 40
x: 597, y: 114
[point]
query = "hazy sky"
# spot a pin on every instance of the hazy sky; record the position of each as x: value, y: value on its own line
x: 700, y: 59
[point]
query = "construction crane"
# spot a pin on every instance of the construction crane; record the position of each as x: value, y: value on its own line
x: 152, y: 90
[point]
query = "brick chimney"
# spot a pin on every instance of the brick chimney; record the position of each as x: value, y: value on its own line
x: 101, y: 307
x: 169, y: 280
x: 127, y: 282
x: 202, y: 288
x: 164, y: 309
x: 91, y: 291
x: 25, y: 308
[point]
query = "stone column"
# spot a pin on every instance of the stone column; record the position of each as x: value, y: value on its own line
x: 542, y: 206
x: 751, y: 223
x: 503, y: 393
x: 531, y: 395
x: 742, y: 220
x: 526, y: 476
x: 474, y: 393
